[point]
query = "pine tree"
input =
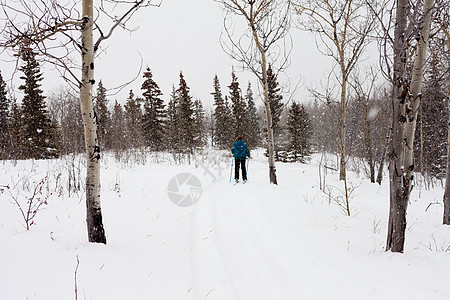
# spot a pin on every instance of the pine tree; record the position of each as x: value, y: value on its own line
x: 103, y: 117
x: 133, y: 120
x: 5, y: 103
x: 276, y: 109
x: 185, y: 116
x: 300, y: 132
x: 221, y: 118
x: 154, y: 114
x: 41, y: 138
x: 253, y: 132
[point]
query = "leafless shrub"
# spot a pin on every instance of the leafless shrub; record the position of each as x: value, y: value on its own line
x: 30, y: 202
x: 73, y: 168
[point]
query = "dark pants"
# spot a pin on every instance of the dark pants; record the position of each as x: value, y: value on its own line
x: 240, y: 162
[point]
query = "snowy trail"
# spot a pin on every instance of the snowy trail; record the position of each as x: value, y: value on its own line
x: 248, y: 245
x: 250, y: 254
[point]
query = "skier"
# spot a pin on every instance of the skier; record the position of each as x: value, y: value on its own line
x: 240, y: 153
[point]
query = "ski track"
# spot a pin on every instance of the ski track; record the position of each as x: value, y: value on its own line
x: 244, y: 247
x: 243, y: 237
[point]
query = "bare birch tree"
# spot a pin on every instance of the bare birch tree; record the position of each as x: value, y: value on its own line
x: 56, y: 30
x: 343, y: 28
x: 405, y: 101
x: 263, y: 42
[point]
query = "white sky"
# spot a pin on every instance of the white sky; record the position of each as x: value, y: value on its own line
x: 183, y: 35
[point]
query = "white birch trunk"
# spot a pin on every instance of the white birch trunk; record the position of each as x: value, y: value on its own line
x: 95, y: 228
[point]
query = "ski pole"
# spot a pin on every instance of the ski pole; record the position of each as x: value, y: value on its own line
x: 231, y: 171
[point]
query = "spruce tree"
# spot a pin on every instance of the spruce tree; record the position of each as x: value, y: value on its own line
x: 238, y: 107
x: 185, y: 116
x: 221, y: 119
x: 433, y: 122
x: 199, y: 125
x: 118, y: 128
x: 300, y: 133
x: 154, y: 114
x: 133, y: 119
x: 17, y: 134
x: 253, y: 132
x: 228, y: 119
x: 4, y: 120
x: 172, y: 128
x: 276, y: 109
x: 103, y: 117
x: 41, y: 138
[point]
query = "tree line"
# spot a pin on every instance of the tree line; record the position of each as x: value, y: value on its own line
x: 46, y: 127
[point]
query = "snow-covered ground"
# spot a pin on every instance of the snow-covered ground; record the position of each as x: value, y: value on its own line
x: 252, y: 241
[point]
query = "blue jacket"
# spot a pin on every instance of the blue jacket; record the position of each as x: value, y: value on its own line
x: 240, y: 150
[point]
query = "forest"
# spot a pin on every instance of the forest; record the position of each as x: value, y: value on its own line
x: 390, y: 116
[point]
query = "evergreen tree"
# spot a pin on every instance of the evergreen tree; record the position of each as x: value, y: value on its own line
x: 17, y: 134
x: 432, y: 123
x: 253, y: 132
x: 300, y: 132
x: 118, y: 143
x: 238, y: 107
x: 199, y: 125
x: 103, y: 117
x: 154, y: 113
x: 133, y: 120
x: 228, y: 119
x: 172, y: 128
x: 276, y: 109
x: 41, y: 139
x: 221, y: 118
x: 185, y: 116
x: 4, y: 120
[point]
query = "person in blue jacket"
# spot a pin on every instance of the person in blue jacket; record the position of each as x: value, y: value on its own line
x: 240, y: 153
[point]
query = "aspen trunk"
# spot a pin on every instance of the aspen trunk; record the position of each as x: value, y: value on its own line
x: 446, y: 217
x: 270, y: 141
x: 385, y: 150
x: 368, y: 142
x: 401, y: 164
x: 342, y: 170
x: 96, y: 232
